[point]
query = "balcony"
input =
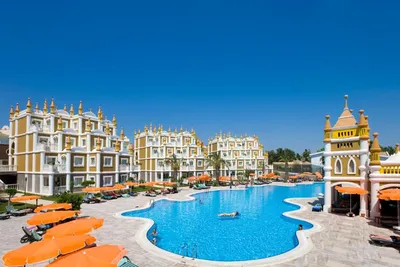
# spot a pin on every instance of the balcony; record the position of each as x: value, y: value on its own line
x: 135, y: 168
x: 187, y: 168
x: 47, y: 147
x: 57, y: 168
x: 124, y: 168
x: 8, y: 168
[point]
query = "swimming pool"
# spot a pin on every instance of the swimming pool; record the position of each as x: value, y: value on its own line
x: 261, y: 231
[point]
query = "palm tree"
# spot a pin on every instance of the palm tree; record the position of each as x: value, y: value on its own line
x: 217, y: 162
x: 286, y: 157
x: 175, y: 166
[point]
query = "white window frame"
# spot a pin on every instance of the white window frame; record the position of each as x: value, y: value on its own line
x: 73, y: 141
x: 124, y: 160
x: 90, y: 162
x: 65, y: 124
x: 83, y: 161
x: 199, y: 163
x: 37, y: 122
x: 107, y: 184
x: 79, y: 177
x: 240, y: 163
x: 111, y: 162
x: 341, y: 166
x: 51, y: 157
x: 75, y: 125
x: 123, y: 175
x: 92, y: 126
x: 351, y: 159
x: 191, y: 163
x: 83, y: 140
x: 92, y: 178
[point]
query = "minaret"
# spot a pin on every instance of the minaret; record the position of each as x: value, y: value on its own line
x: 328, y: 164
x: 45, y: 107
x: 11, y: 112
x: 17, y: 110
x: 52, y: 107
x: 71, y: 110
x: 29, y: 106
x: 375, y: 176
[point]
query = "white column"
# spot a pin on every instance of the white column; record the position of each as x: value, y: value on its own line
x: 98, y: 169
x: 34, y: 170
x: 117, y: 168
x: 51, y: 183
x: 41, y: 178
x: 108, y: 141
x: 80, y: 125
x: 68, y: 171
x: 59, y: 144
x: 327, y: 169
x: 15, y: 138
x: 51, y: 123
x: 130, y: 166
x: 10, y: 140
x: 363, y: 176
x: 363, y: 199
x: 375, y: 210
x: 114, y: 131
x: 89, y: 142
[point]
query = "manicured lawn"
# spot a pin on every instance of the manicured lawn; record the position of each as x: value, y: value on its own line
x: 17, y: 205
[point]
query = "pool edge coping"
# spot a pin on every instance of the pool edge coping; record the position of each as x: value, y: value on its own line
x: 304, y: 237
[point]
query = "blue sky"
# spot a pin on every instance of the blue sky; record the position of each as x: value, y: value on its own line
x: 271, y: 68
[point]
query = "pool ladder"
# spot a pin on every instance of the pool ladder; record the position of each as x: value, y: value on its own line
x: 185, y: 248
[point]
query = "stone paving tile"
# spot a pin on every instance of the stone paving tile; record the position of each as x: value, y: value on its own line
x: 342, y: 242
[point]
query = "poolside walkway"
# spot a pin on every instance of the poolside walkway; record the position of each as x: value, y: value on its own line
x: 342, y: 242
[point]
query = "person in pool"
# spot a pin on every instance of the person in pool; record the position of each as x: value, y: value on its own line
x: 154, y: 241
x: 201, y: 202
x: 154, y: 233
x: 300, y: 227
x: 233, y: 214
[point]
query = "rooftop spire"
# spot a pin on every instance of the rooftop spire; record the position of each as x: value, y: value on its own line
x: 114, y: 120
x: 346, y: 107
x: 71, y: 110
x: 375, y: 151
x: 52, y: 106
x: 29, y: 106
x: 80, y: 109
x: 17, y: 110
x: 45, y: 106
x: 11, y: 112
x: 65, y: 108
x: 397, y: 149
x: 37, y: 106
x: 122, y: 135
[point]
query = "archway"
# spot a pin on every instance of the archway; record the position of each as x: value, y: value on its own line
x: 341, y: 202
x: 389, y: 208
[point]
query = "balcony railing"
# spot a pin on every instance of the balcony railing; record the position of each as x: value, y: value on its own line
x: 135, y: 168
x: 8, y: 168
x: 124, y: 168
x: 11, y: 186
x: 57, y: 168
x: 48, y: 147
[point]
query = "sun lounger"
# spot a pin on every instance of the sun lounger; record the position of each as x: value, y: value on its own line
x: 133, y: 194
x: 11, y: 210
x: 148, y: 194
x: 4, y: 216
x: 317, y: 207
x: 126, y: 262
x: 126, y: 195
x: 384, y: 240
x: 31, y: 235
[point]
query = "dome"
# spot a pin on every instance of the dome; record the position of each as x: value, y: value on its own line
x: 62, y: 112
x: 97, y: 131
x: 393, y: 159
x: 69, y: 131
x: 89, y: 114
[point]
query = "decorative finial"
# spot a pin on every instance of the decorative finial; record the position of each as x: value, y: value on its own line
x: 159, y: 128
x: 114, y: 120
x: 11, y: 112
x: 176, y: 131
x: 122, y: 135
x: 37, y: 106
x: 65, y: 107
x: 181, y: 130
x: 169, y: 130
x: 71, y: 110
x: 68, y: 143
x: 88, y: 125
x: 151, y: 127
x: 130, y: 149
x: 117, y: 146
x: 98, y: 144
x: 52, y: 106
x: 59, y: 124
x: 375, y: 151
x: 345, y: 102
x: 80, y: 109
x: 108, y: 132
x: 100, y: 113
x: 17, y: 110
x: 396, y: 149
x: 45, y: 107
x: 29, y: 106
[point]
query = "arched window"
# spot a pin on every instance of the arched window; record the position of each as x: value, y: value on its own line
x: 338, y: 166
x: 351, y: 168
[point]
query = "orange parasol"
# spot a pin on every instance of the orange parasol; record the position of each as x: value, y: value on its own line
x: 351, y: 191
x: 224, y: 178
x: 193, y: 179
x: 24, y: 198
x: 252, y: 174
x: 101, y: 256
x: 392, y: 194
x: 75, y: 227
x: 46, y: 249
x: 107, y: 188
x: 54, y: 206
x: 51, y: 217
x: 119, y: 187
x: 131, y: 184
x: 91, y: 189
x: 204, y: 177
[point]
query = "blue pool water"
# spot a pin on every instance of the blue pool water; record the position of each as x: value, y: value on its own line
x: 261, y: 231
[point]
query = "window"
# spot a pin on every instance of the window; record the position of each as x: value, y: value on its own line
x: 199, y: 163
x: 113, y: 145
x: 78, y: 181
x: 38, y: 123
x: 352, y: 166
x: 78, y: 161
x: 51, y: 160
x: 108, y: 162
x: 92, y: 178
x: 43, y: 140
x: 190, y: 163
x: 73, y: 141
x: 107, y: 180
x: 123, y: 178
x: 92, y: 126
x: 92, y: 161
x: 240, y: 163
x: 338, y: 166
x: 83, y: 141
x: 124, y: 161
x: 75, y: 125
x: 65, y: 124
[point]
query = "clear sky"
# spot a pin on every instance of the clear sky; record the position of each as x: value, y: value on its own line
x: 271, y: 68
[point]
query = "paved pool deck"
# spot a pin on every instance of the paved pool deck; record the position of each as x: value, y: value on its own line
x: 341, y: 242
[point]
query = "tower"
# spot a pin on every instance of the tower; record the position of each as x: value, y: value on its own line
x: 346, y: 155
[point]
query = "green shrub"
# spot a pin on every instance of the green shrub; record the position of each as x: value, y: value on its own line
x: 75, y: 199
x: 88, y: 183
x: 11, y: 192
x: 215, y: 183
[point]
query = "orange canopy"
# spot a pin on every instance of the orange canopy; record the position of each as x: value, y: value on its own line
x: 75, y: 227
x: 119, y: 187
x: 24, y: 198
x: 131, y: 184
x: 54, y: 206
x: 351, y: 190
x: 390, y: 191
x: 193, y: 179
x: 46, y: 249
x: 167, y: 183
x: 224, y: 178
x: 101, y: 256
x: 148, y: 184
x: 107, y: 188
x: 91, y: 189
x: 51, y: 217
x: 204, y: 177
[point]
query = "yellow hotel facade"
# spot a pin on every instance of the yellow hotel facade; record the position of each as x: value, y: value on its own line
x: 55, y: 150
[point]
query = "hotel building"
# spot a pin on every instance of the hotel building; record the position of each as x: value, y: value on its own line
x: 56, y: 150
x: 351, y: 160
x: 242, y: 153
x: 153, y: 147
